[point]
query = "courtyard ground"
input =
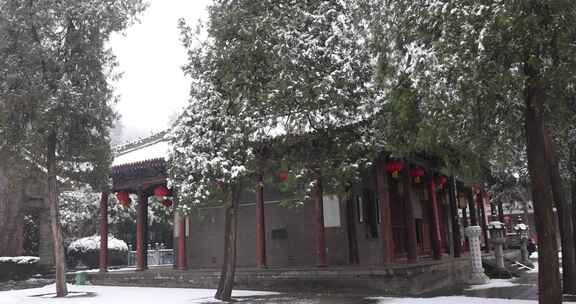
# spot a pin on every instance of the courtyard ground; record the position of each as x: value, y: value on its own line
x: 522, y: 290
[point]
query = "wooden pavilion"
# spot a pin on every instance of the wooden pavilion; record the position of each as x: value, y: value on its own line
x: 139, y: 169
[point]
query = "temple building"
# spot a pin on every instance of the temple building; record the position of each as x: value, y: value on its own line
x: 401, y: 212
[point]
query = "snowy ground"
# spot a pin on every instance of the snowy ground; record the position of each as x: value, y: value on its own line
x: 494, y: 283
x: 452, y: 300
x: 141, y: 295
x: 105, y: 295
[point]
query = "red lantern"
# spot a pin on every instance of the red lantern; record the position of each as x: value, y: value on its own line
x: 394, y: 167
x: 283, y: 176
x: 440, y: 181
x: 167, y: 203
x: 124, y: 198
x: 161, y: 191
x: 476, y: 189
x: 417, y: 173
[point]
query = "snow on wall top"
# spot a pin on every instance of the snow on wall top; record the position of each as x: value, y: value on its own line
x: 93, y: 243
x: 20, y: 259
x: 156, y: 146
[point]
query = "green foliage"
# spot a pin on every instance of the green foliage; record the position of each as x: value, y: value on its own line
x: 54, y: 81
x: 454, y: 73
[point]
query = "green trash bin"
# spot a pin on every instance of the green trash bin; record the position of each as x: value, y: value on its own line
x: 81, y: 278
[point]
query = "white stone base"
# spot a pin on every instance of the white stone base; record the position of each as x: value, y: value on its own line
x: 477, y: 278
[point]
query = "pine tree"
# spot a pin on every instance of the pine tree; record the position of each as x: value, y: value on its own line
x: 54, y: 89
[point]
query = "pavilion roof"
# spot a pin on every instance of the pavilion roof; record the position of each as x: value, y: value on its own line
x: 140, y: 164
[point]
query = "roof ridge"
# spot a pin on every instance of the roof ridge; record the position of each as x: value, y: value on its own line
x: 140, y: 142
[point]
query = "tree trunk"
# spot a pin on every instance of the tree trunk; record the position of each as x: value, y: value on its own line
x: 549, y: 290
x: 226, y: 283
x: 61, y: 289
x: 456, y: 236
x: 564, y: 212
x: 319, y: 231
x: 572, y: 167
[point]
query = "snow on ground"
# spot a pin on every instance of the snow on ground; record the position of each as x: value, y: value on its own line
x: 106, y: 294
x: 493, y: 283
x: 453, y: 300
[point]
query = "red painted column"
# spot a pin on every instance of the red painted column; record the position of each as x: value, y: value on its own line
x: 260, y: 223
x: 141, y: 247
x: 320, y: 237
x: 437, y: 239
x: 104, y: 232
x: 385, y: 212
x: 409, y: 216
x: 182, y: 260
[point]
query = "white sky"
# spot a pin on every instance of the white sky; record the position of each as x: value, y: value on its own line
x: 150, y: 55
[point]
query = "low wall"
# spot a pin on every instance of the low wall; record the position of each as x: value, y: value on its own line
x: 402, y: 280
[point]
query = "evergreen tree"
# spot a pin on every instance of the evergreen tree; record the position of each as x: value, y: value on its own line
x: 485, y: 69
x: 269, y: 75
x: 54, y: 91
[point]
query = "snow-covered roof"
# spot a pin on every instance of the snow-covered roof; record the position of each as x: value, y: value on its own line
x: 154, y: 147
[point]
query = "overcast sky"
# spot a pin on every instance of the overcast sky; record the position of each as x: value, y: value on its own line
x: 150, y: 54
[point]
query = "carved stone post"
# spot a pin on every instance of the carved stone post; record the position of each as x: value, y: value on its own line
x: 477, y: 275
x: 498, y: 238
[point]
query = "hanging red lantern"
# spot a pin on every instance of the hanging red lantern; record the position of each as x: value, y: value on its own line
x: 417, y: 173
x: 283, y: 176
x: 123, y: 198
x: 476, y: 189
x: 161, y: 191
x: 440, y: 181
x: 167, y: 203
x: 394, y: 167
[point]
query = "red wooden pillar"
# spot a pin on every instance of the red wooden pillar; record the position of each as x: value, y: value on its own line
x: 409, y: 216
x: 320, y: 237
x: 141, y: 222
x: 437, y: 237
x: 182, y: 260
x: 385, y: 212
x: 260, y: 224
x: 104, y: 232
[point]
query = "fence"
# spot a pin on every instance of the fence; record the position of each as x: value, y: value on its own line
x: 155, y: 257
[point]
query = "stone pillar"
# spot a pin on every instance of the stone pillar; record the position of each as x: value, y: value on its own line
x: 104, y: 232
x: 524, y: 251
x: 409, y: 216
x: 141, y: 236
x: 182, y: 259
x: 437, y: 238
x: 260, y: 223
x: 498, y: 238
x: 319, y: 234
x: 385, y: 213
x: 477, y: 275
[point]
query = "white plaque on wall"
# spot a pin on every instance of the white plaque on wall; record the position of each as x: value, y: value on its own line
x: 331, y: 211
